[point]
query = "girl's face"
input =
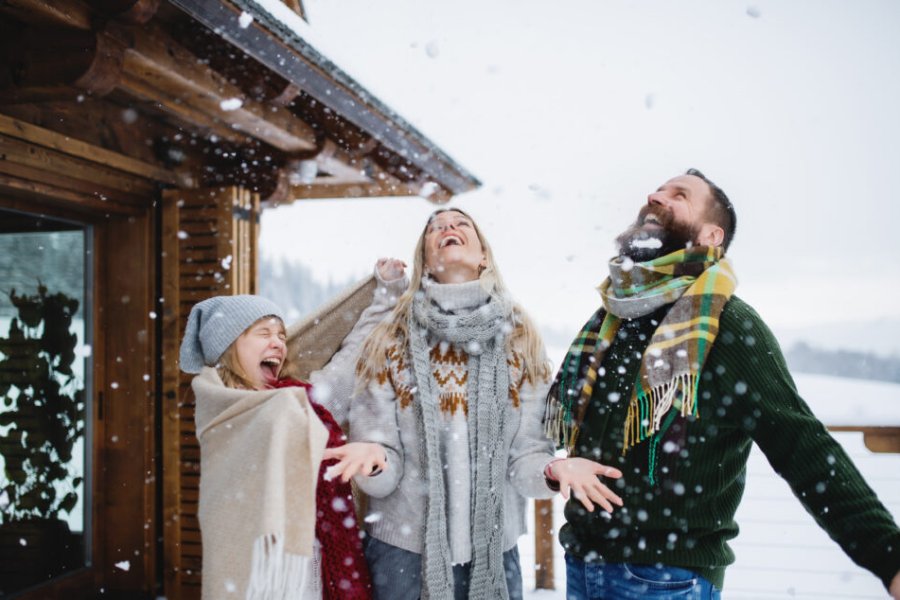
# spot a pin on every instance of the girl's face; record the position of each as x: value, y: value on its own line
x: 453, y: 252
x: 261, y: 351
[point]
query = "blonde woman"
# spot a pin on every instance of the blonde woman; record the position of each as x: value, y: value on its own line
x: 453, y: 386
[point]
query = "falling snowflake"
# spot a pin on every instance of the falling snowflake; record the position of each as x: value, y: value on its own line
x: 231, y: 104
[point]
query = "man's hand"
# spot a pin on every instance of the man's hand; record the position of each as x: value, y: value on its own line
x: 355, y: 458
x: 894, y: 590
x: 580, y: 475
x: 390, y: 269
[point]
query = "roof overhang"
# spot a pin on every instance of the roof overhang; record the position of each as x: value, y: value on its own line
x: 224, y: 100
x: 273, y: 43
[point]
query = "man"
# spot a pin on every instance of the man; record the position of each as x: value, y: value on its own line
x: 670, y: 382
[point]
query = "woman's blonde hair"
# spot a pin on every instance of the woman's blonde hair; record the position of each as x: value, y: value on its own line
x: 525, y: 338
x: 229, y: 367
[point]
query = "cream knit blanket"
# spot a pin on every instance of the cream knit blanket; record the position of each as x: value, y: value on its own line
x: 259, y: 458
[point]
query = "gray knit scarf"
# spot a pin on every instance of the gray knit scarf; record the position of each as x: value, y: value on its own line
x: 482, y: 334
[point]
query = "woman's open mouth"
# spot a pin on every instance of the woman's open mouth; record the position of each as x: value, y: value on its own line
x: 270, y: 367
x: 450, y: 240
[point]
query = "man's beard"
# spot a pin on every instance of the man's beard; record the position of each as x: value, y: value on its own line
x: 641, y: 244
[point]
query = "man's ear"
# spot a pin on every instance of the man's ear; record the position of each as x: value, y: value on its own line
x: 710, y: 235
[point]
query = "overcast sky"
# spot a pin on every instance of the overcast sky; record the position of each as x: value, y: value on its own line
x: 571, y: 112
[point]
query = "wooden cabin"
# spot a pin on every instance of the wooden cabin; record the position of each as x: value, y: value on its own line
x: 139, y: 141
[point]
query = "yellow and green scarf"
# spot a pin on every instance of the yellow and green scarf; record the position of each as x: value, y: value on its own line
x: 697, y: 282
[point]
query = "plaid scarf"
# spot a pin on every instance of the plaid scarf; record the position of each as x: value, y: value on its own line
x: 699, y: 282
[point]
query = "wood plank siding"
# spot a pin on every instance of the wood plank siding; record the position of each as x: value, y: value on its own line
x: 209, y: 249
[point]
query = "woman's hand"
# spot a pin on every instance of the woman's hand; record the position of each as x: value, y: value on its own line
x: 582, y: 477
x: 390, y: 269
x: 355, y: 458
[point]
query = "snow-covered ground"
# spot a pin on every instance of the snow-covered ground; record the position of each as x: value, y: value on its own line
x: 781, y: 552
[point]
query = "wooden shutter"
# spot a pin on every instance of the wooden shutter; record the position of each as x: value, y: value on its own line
x: 209, y: 244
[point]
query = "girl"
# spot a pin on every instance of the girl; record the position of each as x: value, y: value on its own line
x: 273, y: 523
x: 454, y: 385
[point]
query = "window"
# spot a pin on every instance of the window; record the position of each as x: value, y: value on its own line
x: 45, y: 379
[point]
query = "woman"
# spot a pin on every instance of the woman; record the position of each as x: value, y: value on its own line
x: 273, y: 522
x: 453, y: 389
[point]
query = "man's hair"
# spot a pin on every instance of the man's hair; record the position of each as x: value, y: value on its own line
x: 720, y: 211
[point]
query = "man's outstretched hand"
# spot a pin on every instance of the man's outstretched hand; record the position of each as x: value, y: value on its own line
x: 582, y: 477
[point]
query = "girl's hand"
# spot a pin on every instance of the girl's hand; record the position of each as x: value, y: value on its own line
x: 390, y: 269
x: 355, y: 458
x: 582, y: 477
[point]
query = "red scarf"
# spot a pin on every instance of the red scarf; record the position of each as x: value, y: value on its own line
x: 345, y: 575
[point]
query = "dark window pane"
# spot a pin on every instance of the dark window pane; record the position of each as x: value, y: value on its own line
x: 44, y: 359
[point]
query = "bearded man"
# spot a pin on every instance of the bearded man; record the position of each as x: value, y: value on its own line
x: 670, y: 381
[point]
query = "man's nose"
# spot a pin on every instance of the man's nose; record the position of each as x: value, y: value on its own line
x: 657, y: 198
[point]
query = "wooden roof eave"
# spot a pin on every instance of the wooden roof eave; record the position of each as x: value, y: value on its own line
x: 272, y: 43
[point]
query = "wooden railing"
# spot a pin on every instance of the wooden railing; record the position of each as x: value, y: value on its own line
x: 877, y: 439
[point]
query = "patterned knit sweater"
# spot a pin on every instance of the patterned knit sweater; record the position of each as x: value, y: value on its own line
x: 746, y: 395
x: 386, y: 413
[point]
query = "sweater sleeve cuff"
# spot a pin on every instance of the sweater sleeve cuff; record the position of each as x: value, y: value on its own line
x: 393, y: 288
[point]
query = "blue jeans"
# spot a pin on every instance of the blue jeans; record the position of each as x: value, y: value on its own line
x: 397, y: 573
x: 626, y: 581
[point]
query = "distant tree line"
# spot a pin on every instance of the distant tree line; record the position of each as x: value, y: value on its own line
x: 803, y: 358
x: 292, y: 286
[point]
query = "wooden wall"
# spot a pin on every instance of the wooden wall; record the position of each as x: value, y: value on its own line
x: 209, y: 249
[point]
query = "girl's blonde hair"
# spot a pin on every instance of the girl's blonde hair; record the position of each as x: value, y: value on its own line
x: 525, y: 338
x: 229, y: 368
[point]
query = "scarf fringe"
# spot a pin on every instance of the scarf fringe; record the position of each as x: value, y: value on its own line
x: 278, y: 575
x: 647, y: 409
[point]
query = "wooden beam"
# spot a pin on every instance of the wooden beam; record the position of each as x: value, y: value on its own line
x: 148, y: 64
x: 349, y: 190
x: 129, y: 11
x: 343, y: 167
x: 63, y: 197
x: 80, y: 14
x: 543, y: 544
x: 63, y: 143
x: 104, y: 195
x: 44, y: 59
x: 68, y: 14
x: 174, y: 77
x: 129, y: 447
x: 52, y: 161
x: 171, y: 397
x: 319, y: 190
x: 878, y: 441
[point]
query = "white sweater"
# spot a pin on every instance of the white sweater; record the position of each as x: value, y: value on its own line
x: 385, y: 413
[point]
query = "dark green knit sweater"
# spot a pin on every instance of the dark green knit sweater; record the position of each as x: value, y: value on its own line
x: 746, y: 395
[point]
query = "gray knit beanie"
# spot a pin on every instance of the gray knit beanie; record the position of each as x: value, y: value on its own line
x: 215, y: 323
